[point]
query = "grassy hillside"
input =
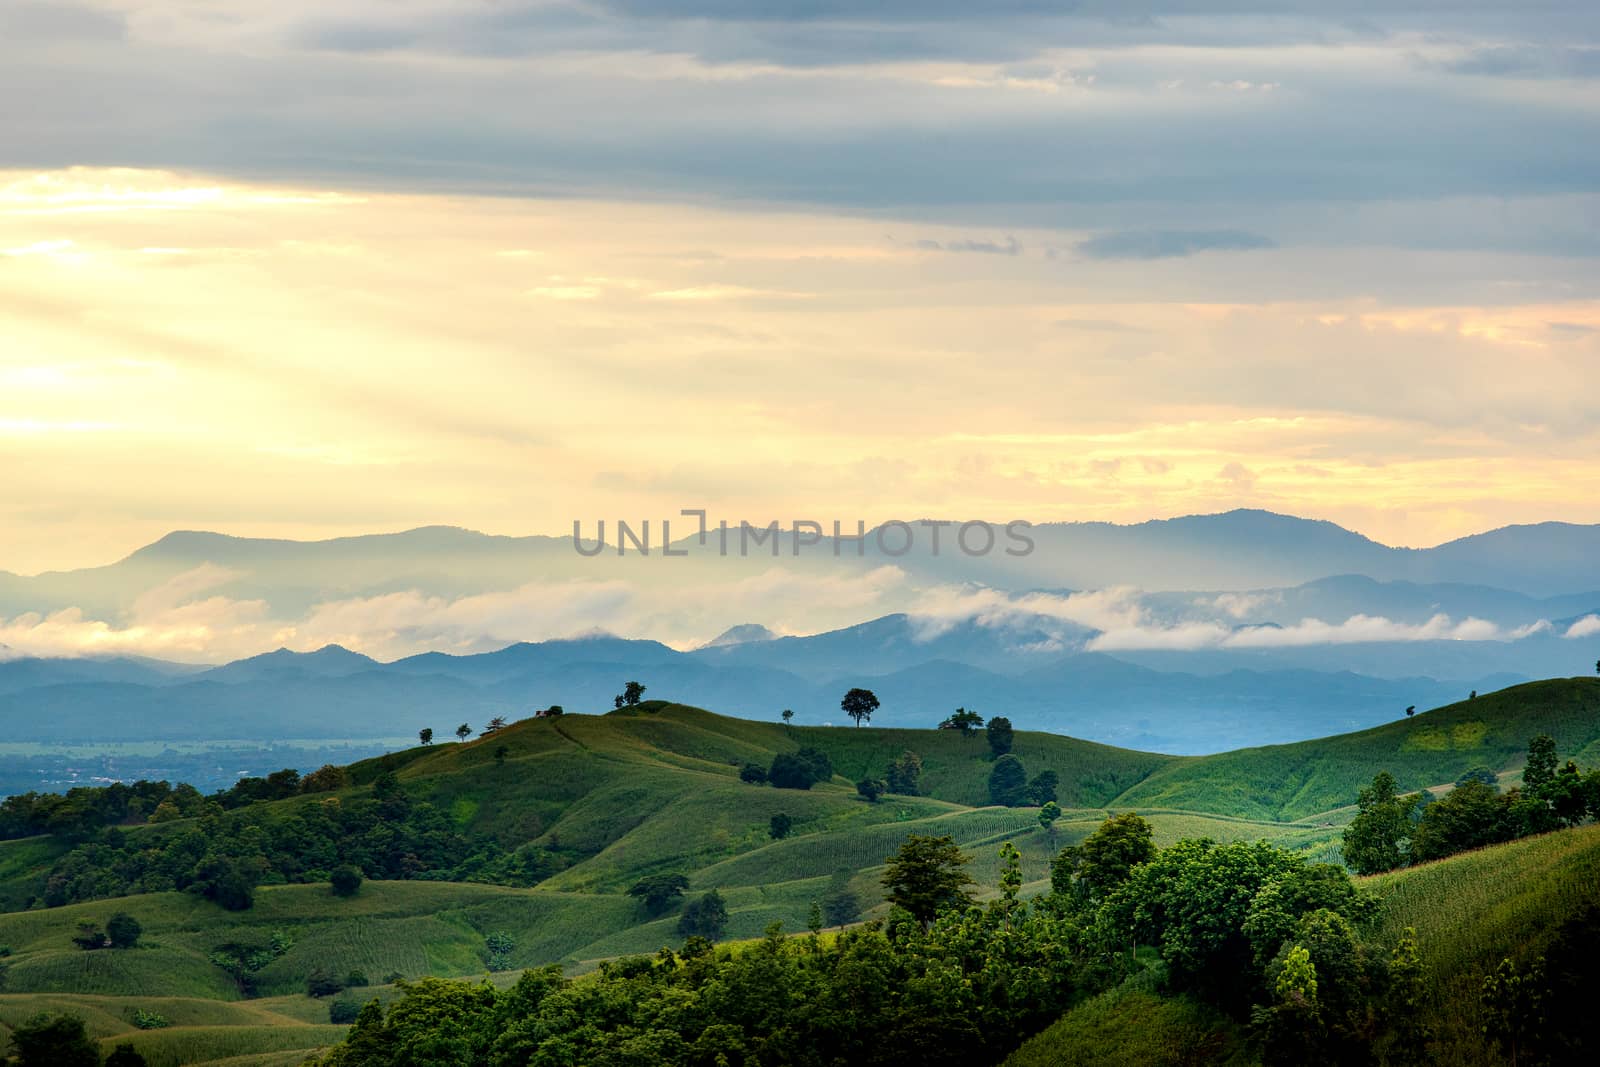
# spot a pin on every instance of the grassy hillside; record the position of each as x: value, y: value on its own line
x: 1469, y: 911
x: 1473, y: 910
x: 656, y: 788
x: 1306, y: 779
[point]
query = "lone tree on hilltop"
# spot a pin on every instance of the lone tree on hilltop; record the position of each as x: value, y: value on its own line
x: 463, y: 732
x: 926, y: 876
x: 496, y: 724
x: 632, y: 693
x: 859, y: 704
x: 425, y: 735
x: 1411, y: 710
x: 788, y: 713
x: 964, y: 721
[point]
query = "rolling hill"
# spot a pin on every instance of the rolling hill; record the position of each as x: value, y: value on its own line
x: 656, y: 788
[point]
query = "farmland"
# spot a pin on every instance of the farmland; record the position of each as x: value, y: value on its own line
x: 657, y: 788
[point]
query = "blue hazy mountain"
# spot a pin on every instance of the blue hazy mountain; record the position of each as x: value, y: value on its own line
x: 1235, y: 550
x: 333, y: 693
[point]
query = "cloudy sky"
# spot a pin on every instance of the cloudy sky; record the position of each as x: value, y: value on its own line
x: 303, y: 269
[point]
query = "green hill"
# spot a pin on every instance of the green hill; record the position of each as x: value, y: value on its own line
x: 656, y: 788
x: 1470, y: 911
x: 1309, y: 778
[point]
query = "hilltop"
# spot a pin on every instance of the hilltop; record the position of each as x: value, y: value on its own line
x: 597, y: 802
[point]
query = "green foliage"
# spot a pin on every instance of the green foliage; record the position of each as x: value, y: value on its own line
x: 963, y: 722
x: 1105, y: 859
x: 1377, y: 838
x: 966, y: 991
x: 753, y: 773
x: 1008, y: 782
x: 125, y: 1055
x: 345, y: 880
x: 927, y: 876
x: 870, y: 789
x: 706, y: 916
x: 1000, y: 735
x: 54, y: 1041
x: 1470, y: 816
x: 779, y: 825
x: 1042, y: 788
x: 859, y: 704
x: 498, y: 947
x: 1049, y: 812
x: 144, y: 1019
x: 343, y: 1010
x: 425, y: 735
x: 659, y: 890
x: 632, y: 694
x: 905, y: 775
x: 322, y: 982
x: 800, y: 770
x: 123, y: 930
x: 1541, y: 766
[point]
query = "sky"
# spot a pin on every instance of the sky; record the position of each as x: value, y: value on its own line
x: 297, y: 269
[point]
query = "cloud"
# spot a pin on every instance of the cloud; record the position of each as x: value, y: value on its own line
x: 1584, y: 627
x: 1357, y: 629
x: 1527, y: 61
x: 938, y: 610
x: 1168, y: 244
x: 1010, y: 247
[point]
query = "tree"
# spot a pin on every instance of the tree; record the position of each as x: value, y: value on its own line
x: 871, y: 789
x: 345, y: 880
x: 1008, y: 782
x: 54, y: 1041
x: 123, y: 930
x: 1042, y: 789
x: 496, y: 724
x: 1541, y: 768
x: 498, y: 947
x: 963, y: 721
x: 1049, y: 812
x: 753, y: 773
x: 788, y: 716
x: 905, y: 775
x: 704, y: 917
x: 554, y: 711
x: 800, y: 770
x: 224, y: 882
x: 779, y: 825
x: 463, y: 732
x: 321, y: 982
x: 1470, y: 816
x: 659, y: 890
x: 927, y: 876
x: 425, y: 735
x: 1480, y: 774
x: 89, y: 937
x: 840, y: 907
x: 125, y: 1055
x: 1377, y: 838
x: 1407, y: 1001
x: 859, y: 704
x: 632, y: 693
x: 343, y: 1010
x: 1512, y: 1008
x: 1105, y: 859
x: 500, y: 753
x: 1000, y: 735
x: 1010, y: 876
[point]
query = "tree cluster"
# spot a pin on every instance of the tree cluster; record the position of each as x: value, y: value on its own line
x: 1391, y: 830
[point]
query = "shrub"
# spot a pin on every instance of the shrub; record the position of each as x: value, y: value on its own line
x: 345, y: 880
x: 123, y: 930
x: 342, y: 1010
x: 323, y: 983
x: 144, y: 1019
